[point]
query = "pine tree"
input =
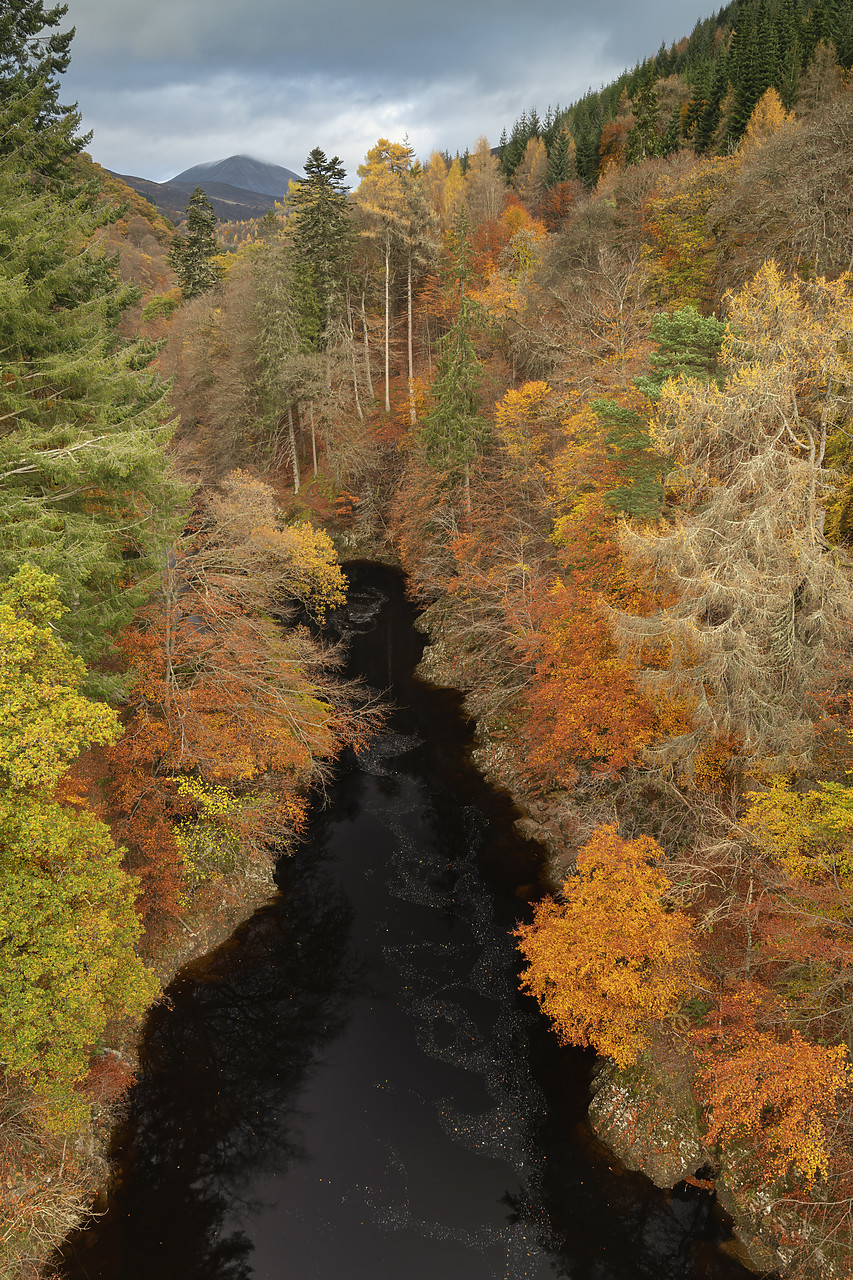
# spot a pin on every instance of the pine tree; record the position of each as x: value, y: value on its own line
x: 193, y: 255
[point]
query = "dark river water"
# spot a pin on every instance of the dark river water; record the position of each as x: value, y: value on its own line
x: 352, y: 1088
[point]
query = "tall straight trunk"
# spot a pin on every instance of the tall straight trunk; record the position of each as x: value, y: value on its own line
x: 387, y: 320
x: 313, y: 435
x: 352, y: 357
x: 294, y: 458
x: 366, y: 350
x: 413, y: 417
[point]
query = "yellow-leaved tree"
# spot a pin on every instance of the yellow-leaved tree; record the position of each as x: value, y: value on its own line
x: 67, y: 920
x: 609, y: 960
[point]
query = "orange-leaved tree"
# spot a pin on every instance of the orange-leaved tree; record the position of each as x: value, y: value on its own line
x: 772, y: 1097
x: 611, y: 959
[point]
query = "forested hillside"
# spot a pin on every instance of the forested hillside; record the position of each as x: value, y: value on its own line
x: 594, y: 394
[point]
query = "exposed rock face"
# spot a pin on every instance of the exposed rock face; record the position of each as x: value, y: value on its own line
x: 647, y: 1117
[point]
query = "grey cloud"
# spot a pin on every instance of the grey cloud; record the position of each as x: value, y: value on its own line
x: 187, y: 80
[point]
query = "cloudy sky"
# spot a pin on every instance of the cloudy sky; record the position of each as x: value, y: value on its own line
x: 166, y: 84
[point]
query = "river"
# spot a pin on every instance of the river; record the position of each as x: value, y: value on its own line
x: 352, y: 1088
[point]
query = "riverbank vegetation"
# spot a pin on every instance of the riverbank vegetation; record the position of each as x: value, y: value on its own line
x: 593, y: 390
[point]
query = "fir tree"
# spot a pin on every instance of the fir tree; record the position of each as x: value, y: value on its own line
x: 85, y: 482
x: 33, y: 122
x: 193, y: 255
x: 454, y: 431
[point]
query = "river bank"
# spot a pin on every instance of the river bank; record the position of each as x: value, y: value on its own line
x: 357, y: 1062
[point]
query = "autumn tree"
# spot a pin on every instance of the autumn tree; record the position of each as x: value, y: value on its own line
x: 382, y: 196
x: 531, y: 177
x: 609, y: 960
x: 755, y: 602
x: 485, y: 188
x: 771, y: 1098
x: 223, y: 695
x: 67, y: 958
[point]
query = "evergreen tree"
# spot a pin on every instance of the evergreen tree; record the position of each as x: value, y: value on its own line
x: 85, y: 482
x: 561, y: 159
x: 33, y: 123
x: 688, y: 346
x: 31, y: 62
x: 454, y: 431
x: 672, y: 136
x: 643, y: 141
x: 322, y: 240
x: 698, y: 100
x: 709, y: 120
x: 193, y: 255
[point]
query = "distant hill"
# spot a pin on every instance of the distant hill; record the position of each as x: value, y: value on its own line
x: 171, y: 198
x: 242, y: 172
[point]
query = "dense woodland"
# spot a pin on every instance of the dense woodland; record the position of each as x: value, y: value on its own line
x: 592, y: 390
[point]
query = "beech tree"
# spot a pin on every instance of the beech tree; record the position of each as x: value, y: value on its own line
x: 609, y: 960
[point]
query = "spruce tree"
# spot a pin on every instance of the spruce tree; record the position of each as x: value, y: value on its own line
x: 454, y: 431
x: 193, y: 255
x: 322, y: 241
x: 643, y: 142
x: 561, y: 159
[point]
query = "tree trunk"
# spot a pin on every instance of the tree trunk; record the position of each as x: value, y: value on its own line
x: 413, y: 417
x: 293, y: 454
x: 387, y: 321
x: 366, y: 350
x: 313, y: 435
x: 352, y: 357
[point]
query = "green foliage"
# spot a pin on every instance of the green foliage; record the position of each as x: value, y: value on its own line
x: 30, y: 65
x: 688, y: 347
x: 454, y: 431
x: 193, y: 255
x: 85, y: 481
x: 46, y: 720
x: 643, y: 141
x: 640, y: 468
x: 67, y: 922
x: 67, y: 929
x: 323, y: 239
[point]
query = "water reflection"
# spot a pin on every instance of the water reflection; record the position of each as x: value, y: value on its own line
x: 355, y: 1089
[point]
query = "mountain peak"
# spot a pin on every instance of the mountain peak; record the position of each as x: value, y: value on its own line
x: 241, y: 171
